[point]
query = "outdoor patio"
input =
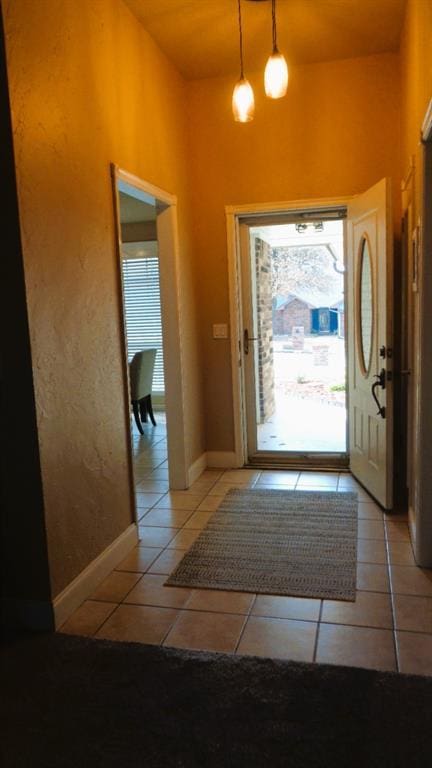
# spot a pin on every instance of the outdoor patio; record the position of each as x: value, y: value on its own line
x: 310, y: 413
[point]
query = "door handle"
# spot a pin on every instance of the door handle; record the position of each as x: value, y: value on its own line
x: 380, y: 382
x: 246, y: 340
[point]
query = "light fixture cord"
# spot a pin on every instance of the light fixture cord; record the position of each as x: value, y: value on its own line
x: 241, y: 41
x: 275, y: 48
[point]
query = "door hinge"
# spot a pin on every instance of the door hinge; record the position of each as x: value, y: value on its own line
x: 246, y: 340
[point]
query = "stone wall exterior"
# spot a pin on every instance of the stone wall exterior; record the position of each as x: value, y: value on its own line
x: 264, y: 298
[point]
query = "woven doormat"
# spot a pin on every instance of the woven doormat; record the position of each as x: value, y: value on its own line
x: 299, y: 543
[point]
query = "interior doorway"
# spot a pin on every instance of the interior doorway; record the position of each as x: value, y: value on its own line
x: 140, y: 273
x: 293, y: 305
x: 146, y: 222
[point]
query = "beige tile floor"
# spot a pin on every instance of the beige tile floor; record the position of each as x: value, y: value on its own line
x: 389, y: 626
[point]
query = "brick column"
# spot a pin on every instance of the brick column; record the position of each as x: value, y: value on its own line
x: 264, y: 312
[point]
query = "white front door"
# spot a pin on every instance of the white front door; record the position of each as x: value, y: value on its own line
x: 370, y: 341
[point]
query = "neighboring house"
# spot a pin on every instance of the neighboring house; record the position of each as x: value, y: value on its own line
x: 339, y: 306
x: 325, y: 321
x: 315, y: 315
x: 289, y: 311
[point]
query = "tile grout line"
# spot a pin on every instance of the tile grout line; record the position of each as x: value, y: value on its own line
x: 105, y: 620
x: 390, y: 580
x: 315, y: 650
x: 171, y: 627
x: 121, y: 601
x: 242, y: 631
x: 130, y: 590
x: 297, y: 485
x: 115, y: 603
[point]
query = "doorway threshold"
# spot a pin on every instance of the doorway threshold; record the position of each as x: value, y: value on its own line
x: 305, y: 461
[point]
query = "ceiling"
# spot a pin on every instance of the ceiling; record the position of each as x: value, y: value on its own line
x: 200, y: 37
x: 133, y: 210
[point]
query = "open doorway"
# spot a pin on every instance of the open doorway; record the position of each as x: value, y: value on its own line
x: 140, y: 273
x: 365, y: 313
x: 148, y: 258
x: 293, y: 305
x: 307, y: 412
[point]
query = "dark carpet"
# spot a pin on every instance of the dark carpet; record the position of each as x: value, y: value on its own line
x: 71, y: 701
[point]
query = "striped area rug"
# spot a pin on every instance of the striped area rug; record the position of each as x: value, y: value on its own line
x: 299, y: 543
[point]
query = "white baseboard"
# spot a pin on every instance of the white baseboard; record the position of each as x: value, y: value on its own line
x: 212, y: 460
x: 197, y: 468
x: 80, y: 588
x: 222, y: 460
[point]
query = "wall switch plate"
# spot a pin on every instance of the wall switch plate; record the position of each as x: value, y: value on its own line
x: 220, y: 331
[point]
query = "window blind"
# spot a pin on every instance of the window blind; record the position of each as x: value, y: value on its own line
x: 143, y: 311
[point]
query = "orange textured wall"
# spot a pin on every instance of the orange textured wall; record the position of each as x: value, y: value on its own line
x: 335, y: 133
x: 416, y: 79
x: 88, y: 87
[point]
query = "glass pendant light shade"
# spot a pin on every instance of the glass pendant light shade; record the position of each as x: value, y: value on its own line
x: 276, y: 71
x: 276, y: 76
x: 243, y: 102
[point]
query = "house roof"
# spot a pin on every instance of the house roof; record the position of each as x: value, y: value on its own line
x: 312, y: 299
x: 281, y: 302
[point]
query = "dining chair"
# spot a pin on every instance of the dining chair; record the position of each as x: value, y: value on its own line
x: 141, y: 369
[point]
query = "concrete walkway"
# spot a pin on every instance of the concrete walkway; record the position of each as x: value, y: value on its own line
x: 300, y: 424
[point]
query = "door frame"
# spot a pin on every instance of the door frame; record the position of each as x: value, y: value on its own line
x: 168, y: 249
x: 232, y: 214
x: 420, y: 517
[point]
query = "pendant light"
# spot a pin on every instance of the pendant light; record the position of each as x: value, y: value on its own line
x: 276, y: 71
x: 243, y: 103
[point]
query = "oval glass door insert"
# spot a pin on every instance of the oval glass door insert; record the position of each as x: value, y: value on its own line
x: 365, y: 306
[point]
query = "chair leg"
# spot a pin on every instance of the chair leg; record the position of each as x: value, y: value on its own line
x: 150, y: 409
x: 143, y: 409
x: 137, y: 415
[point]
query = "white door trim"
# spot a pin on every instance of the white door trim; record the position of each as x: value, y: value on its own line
x: 233, y: 213
x: 167, y: 231
x: 234, y: 278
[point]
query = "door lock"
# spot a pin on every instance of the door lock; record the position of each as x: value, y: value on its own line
x: 386, y: 352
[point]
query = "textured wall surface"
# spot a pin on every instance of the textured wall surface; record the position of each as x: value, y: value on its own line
x: 335, y: 133
x: 88, y: 87
x: 416, y: 79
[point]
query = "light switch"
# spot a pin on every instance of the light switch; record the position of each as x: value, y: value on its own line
x: 220, y: 331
